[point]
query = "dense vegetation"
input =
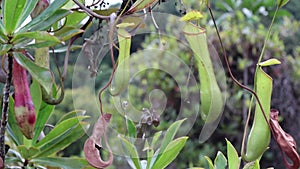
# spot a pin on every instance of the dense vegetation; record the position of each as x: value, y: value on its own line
x: 243, y: 27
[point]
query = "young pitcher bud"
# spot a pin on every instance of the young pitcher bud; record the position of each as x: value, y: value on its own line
x: 39, y: 8
x: 24, y: 108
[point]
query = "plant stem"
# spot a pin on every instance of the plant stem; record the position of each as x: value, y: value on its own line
x: 267, y: 38
x: 5, y: 106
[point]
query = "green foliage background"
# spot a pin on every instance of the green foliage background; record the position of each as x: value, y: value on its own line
x: 243, y: 28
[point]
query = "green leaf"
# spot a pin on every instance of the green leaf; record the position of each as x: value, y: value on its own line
x: 140, y: 5
x: 74, y: 113
x: 12, y: 128
x: 281, y: 3
x: 192, y: 15
x: 62, y: 162
x: 4, y: 48
x: 36, y: 93
x: 45, y: 17
x: 59, y: 129
x: 13, y: 10
x: 3, y: 36
x: 210, y: 93
x: 131, y: 128
x: 125, y: 25
x: 150, y: 153
x: 39, y: 45
x: 42, y: 117
x: 27, y: 153
x: 252, y: 165
x: 232, y: 155
x: 170, y: 153
x: 220, y: 161
x: 65, y: 48
x: 75, y: 19
x: 42, y: 75
x: 59, y: 14
x: 130, y: 150
x: 269, y: 62
x: 106, y: 12
x: 30, y: 5
x: 67, y: 33
x: 62, y: 140
x: 169, y: 136
x: 210, y: 163
x: 37, y: 35
x: 155, y: 138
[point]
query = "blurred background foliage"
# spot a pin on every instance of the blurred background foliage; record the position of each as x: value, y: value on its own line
x: 243, y: 26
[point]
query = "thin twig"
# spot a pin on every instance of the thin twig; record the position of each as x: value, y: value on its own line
x: 5, y: 106
x: 90, y: 12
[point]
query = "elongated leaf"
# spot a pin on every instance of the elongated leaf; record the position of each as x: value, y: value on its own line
x: 42, y: 117
x: 220, y: 161
x: 210, y: 163
x: 106, y: 12
x: 62, y: 141
x: 169, y: 136
x: 74, y: 113
x: 140, y: 5
x: 39, y: 45
x: 36, y: 93
x: 131, y: 128
x: 62, y: 162
x: 13, y: 10
x: 252, y: 165
x: 155, y: 138
x: 12, y: 128
x: 42, y: 75
x: 65, y: 48
x: 3, y: 36
x: 26, y: 152
x: 211, y: 96
x: 30, y: 4
x: 150, y: 153
x: 37, y: 35
x: 68, y: 32
x: 45, y: 15
x: 232, y: 155
x: 122, y: 74
x: 75, y: 19
x: 281, y: 3
x: 5, y: 48
x: 60, y: 129
x: 59, y: 14
x: 170, y: 153
x: 131, y: 151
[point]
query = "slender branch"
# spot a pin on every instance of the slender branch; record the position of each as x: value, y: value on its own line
x: 5, y: 106
x: 90, y: 12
